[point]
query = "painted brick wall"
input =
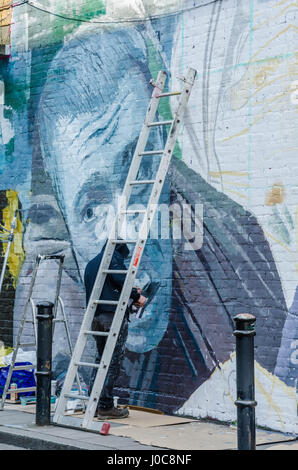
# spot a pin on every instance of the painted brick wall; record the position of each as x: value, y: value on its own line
x: 74, y: 96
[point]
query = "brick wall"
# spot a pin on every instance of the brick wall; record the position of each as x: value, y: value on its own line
x: 76, y: 89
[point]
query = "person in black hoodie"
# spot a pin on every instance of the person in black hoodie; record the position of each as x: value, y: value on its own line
x: 102, y: 322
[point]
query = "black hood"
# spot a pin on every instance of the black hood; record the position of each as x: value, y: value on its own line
x: 122, y: 250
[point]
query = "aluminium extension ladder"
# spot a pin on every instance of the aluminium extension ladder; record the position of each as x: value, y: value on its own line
x: 113, y: 240
x: 29, y: 302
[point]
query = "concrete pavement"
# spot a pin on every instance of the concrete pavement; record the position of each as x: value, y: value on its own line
x: 18, y: 428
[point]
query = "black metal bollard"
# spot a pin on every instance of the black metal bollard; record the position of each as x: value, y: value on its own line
x: 246, y: 427
x: 44, y: 362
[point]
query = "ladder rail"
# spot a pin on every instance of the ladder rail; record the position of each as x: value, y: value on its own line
x: 33, y: 318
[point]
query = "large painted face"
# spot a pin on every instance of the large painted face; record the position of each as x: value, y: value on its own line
x: 88, y: 131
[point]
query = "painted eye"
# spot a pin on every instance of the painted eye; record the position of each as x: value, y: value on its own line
x: 89, y: 214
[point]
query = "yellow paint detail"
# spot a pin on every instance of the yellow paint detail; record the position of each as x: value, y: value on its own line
x: 16, y: 254
x: 260, y: 116
x: 4, y: 351
x: 269, y: 389
x: 276, y: 195
x: 268, y: 395
x: 217, y: 174
x: 280, y: 13
x: 5, y: 21
x: 285, y: 30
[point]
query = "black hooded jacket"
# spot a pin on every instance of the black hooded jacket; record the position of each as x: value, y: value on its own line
x: 113, y: 283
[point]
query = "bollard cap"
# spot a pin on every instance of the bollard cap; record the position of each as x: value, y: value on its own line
x: 45, y: 303
x: 245, y: 323
x: 245, y: 317
x: 44, y: 309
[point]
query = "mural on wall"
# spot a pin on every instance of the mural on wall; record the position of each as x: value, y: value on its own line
x: 74, y: 106
x: 9, y: 204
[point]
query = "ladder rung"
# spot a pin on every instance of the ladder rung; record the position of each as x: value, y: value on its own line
x: 61, y: 257
x: 106, y: 302
x: 58, y: 320
x: 21, y: 390
x: 96, y: 333
x: 170, y: 93
x: 73, y: 395
x: 27, y: 345
x: 159, y: 123
x: 151, y: 152
x: 29, y: 366
x: 115, y: 271
x: 86, y: 364
x: 142, y: 182
x: 116, y: 242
